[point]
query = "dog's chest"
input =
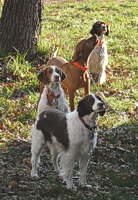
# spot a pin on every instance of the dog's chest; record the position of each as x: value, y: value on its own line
x: 98, y: 58
x: 46, y: 103
x: 83, y: 145
x: 78, y: 135
x: 100, y: 50
x: 52, y: 102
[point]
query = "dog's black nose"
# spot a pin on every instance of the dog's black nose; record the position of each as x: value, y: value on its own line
x: 56, y: 78
x: 100, y: 105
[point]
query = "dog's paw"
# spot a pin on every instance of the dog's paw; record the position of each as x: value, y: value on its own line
x: 88, y: 186
x: 34, y: 175
x: 71, y: 187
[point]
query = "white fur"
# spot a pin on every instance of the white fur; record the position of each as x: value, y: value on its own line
x: 79, y: 145
x: 98, y: 64
x: 62, y: 105
x: 95, y: 105
x: 37, y: 136
x: 54, y: 74
x: 78, y: 150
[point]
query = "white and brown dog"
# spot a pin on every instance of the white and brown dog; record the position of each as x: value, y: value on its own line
x: 69, y: 136
x: 52, y: 97
x: 98, y: 58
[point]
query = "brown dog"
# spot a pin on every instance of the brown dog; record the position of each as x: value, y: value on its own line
x: 77, y: 75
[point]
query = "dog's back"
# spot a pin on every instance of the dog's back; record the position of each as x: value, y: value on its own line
x: 58, y: 61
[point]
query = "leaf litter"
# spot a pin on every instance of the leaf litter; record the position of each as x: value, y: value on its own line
x: 113, y: 168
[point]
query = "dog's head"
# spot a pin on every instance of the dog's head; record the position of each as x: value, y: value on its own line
x: 100, y: 28
x: 84, y: 48
x: 91, y: 103
x: 51, y: 74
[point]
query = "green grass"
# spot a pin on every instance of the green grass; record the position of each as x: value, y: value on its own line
x: 115, y: 159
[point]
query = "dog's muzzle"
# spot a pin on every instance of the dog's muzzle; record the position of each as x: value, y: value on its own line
x: 101, y: 106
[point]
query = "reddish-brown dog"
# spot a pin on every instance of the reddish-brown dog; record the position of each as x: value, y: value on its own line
x: 76, y: 72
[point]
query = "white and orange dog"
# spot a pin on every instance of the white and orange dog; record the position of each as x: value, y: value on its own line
x: 52, y: 97
x: 68, y: 136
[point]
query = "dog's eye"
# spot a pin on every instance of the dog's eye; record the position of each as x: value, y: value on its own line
x: 50, y: 71
x: 57, y: 71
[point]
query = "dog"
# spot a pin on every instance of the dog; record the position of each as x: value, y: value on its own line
x: 52, y: 97
x: 76, y: 70
x: 52, y: 94
x: 69, y: 136
x: 98, y: 58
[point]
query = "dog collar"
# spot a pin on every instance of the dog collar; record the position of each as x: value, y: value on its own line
x: 52, y: 96
x: 80, y: 66
x: 90, y: 128
x: 100, y: 43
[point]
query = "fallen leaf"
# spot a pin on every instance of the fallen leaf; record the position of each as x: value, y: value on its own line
x: 4, y: 148
x: 13, y: 183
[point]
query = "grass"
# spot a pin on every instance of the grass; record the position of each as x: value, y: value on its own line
x: 113, y: 173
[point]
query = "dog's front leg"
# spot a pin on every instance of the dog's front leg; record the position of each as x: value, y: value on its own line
x: 102, y: 74
x: 102, y: 77
x: 36, y: 148
x: 71, y: 99
x: 87, y: 87
x: 83, y: 169
x: 54, y: 155
x: 66, y: 166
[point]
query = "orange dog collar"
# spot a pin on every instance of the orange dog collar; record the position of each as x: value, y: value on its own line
x: 100, y: 43
x: 80, y: 66
x: 52, y: 97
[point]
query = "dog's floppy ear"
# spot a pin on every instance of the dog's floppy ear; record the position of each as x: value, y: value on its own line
x: 107, y: 32
x: 84, y: 106
x: 92, y: 30
x: 81, y: 108
x: 62, y: 74
x: 78, y: 53
x: 42, y: 77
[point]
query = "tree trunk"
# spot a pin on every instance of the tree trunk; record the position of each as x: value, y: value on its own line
x: 21, y: 26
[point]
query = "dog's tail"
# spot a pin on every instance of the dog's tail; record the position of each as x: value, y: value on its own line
x: 54, y: 54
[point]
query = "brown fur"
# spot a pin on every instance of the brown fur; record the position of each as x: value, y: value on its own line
x: 58, y: 129
x: 76, y: 78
